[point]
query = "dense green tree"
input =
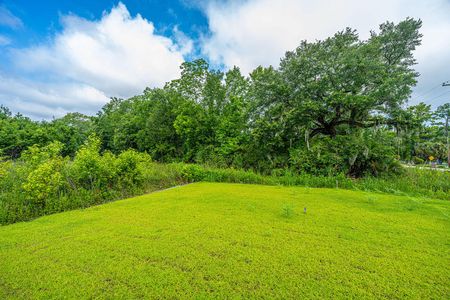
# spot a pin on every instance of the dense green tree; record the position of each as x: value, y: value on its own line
x: 344, y: 82
x: 331, y: 106
x: 443, y: 115
x: 115, y: 124
x: 333, y: 87
x: 18, y: 132
x: 212, y: 114
x: 411, y: 129
x: 155, y: 113
x: 72, y: 131
x: 231, y: 131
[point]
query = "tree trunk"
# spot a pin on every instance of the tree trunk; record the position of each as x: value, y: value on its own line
x: 307, y: 139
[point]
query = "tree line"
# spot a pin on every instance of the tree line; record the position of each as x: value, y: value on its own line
x: 333, y: 106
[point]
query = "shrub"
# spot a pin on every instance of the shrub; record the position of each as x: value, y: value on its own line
x: 91, y: 170
x: 5, y: 168
x: 417, y: 160
x: 287, y: 211
x: 44, y: 182
x: 192, y: 173
x: 35, y: 155
x: 358, y: 154
x: 130, y: 168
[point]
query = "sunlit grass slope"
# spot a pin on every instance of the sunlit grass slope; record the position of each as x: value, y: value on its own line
x: 209, y: 240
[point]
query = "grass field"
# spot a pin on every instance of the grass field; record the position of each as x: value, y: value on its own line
x: 211, y: 240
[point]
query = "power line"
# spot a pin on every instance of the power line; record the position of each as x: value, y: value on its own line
x: 422, y: 95
x: 430, y: 101
x: 437, y: 97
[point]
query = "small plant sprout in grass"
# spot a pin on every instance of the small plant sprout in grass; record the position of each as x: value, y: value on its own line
x: 251, y: 207
x: 412, y: 204
x: 371, y: 200
x: 288, y: 211
x: 267, y: 233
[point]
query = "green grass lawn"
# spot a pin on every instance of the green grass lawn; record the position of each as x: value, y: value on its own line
x: 210, y: 240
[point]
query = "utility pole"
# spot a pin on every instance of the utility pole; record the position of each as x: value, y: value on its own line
x: 447, y: 83
x: 447, y: 117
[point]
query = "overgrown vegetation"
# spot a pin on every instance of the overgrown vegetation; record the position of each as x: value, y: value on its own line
x: 412, y: 182
x: 333, y: 106
x: 43, y: 181
x: 332, y: 114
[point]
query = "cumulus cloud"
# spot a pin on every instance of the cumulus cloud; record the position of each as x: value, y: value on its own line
x: 258, y: 32
x: 119, y: 55
x: 89, y: 61
x: 45, y: 100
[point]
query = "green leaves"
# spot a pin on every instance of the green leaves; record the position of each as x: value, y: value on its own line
x: 44, y: 182
x: 323, y: 93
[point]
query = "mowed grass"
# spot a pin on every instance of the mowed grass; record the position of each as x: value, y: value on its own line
x: 211, y: 240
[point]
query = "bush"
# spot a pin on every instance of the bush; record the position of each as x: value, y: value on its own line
x: 43, y: 182
x: 89, y: 169
x: 417, y: 160
x: 130, y: 168
x: 358, y: 154
x: 192, y: 173
x: 5, y: 167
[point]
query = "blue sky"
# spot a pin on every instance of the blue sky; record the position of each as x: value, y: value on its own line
x: 62, y: 56
x: 41, y: 19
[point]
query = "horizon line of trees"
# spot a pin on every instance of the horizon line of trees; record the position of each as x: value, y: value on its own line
x: 332, y: 106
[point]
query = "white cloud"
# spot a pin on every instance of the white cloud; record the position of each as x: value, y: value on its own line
x: 45, y: 100
x: 258, y: 32
x: 4, y: 40
x: 8, y: 19
x: 185, y: 44
x: 118, y: 55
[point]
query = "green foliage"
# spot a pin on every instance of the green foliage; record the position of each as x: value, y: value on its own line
x: 414, y: 182
x: 5, y: 166
x: 193, y: 173
x: 333, y: 111
x: 443, y: 120
x: 90, y: 169
x: 287, y: 211
x: 44, y: 182
x: 17, y: 133
x: 72, y: 131
x: 426, y: 149
x: 322, y: 111
x: 418, y: 160
x: 131, y: 167
x: 35, y: 155
x: 363, y: 152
